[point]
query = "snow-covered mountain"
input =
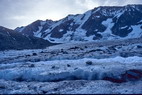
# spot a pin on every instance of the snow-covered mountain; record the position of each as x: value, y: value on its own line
x: 10, y: 39
x: 97, y: 64
x: 105, y: 22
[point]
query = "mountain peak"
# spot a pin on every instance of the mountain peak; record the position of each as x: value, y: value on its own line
x: 101, y: 23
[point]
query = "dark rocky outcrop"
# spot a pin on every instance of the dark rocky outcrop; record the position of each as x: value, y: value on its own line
x: 10, y: 39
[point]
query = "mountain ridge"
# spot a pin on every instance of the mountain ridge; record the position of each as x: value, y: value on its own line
x: 11, y: 39
x: 101, y: 23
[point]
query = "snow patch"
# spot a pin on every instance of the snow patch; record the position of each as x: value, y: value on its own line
x: 38, y: 33
x: 136, y: 33
x: 107, y: 34
x: 61, y: 30
x: 42, y: 23
x: 124, y: 27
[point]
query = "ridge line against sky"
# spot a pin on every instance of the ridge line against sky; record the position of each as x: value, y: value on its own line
x: 16, y: 13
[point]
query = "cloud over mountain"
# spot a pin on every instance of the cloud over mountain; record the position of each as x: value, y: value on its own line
x: 22, y: 12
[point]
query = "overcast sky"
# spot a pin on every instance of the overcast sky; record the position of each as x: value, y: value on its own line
x: 14, y: 13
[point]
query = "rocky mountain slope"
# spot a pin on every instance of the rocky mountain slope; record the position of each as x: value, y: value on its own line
x: 105, y: 22
x: 10, y: 39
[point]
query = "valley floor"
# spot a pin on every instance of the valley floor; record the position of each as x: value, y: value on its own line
x: 73, y: 69
x: 73, y: 76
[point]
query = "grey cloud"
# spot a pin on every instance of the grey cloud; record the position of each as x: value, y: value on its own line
x: 14, y: 13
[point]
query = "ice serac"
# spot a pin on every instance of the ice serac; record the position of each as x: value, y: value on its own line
x: 10, y: 39
x: 102, y: 23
